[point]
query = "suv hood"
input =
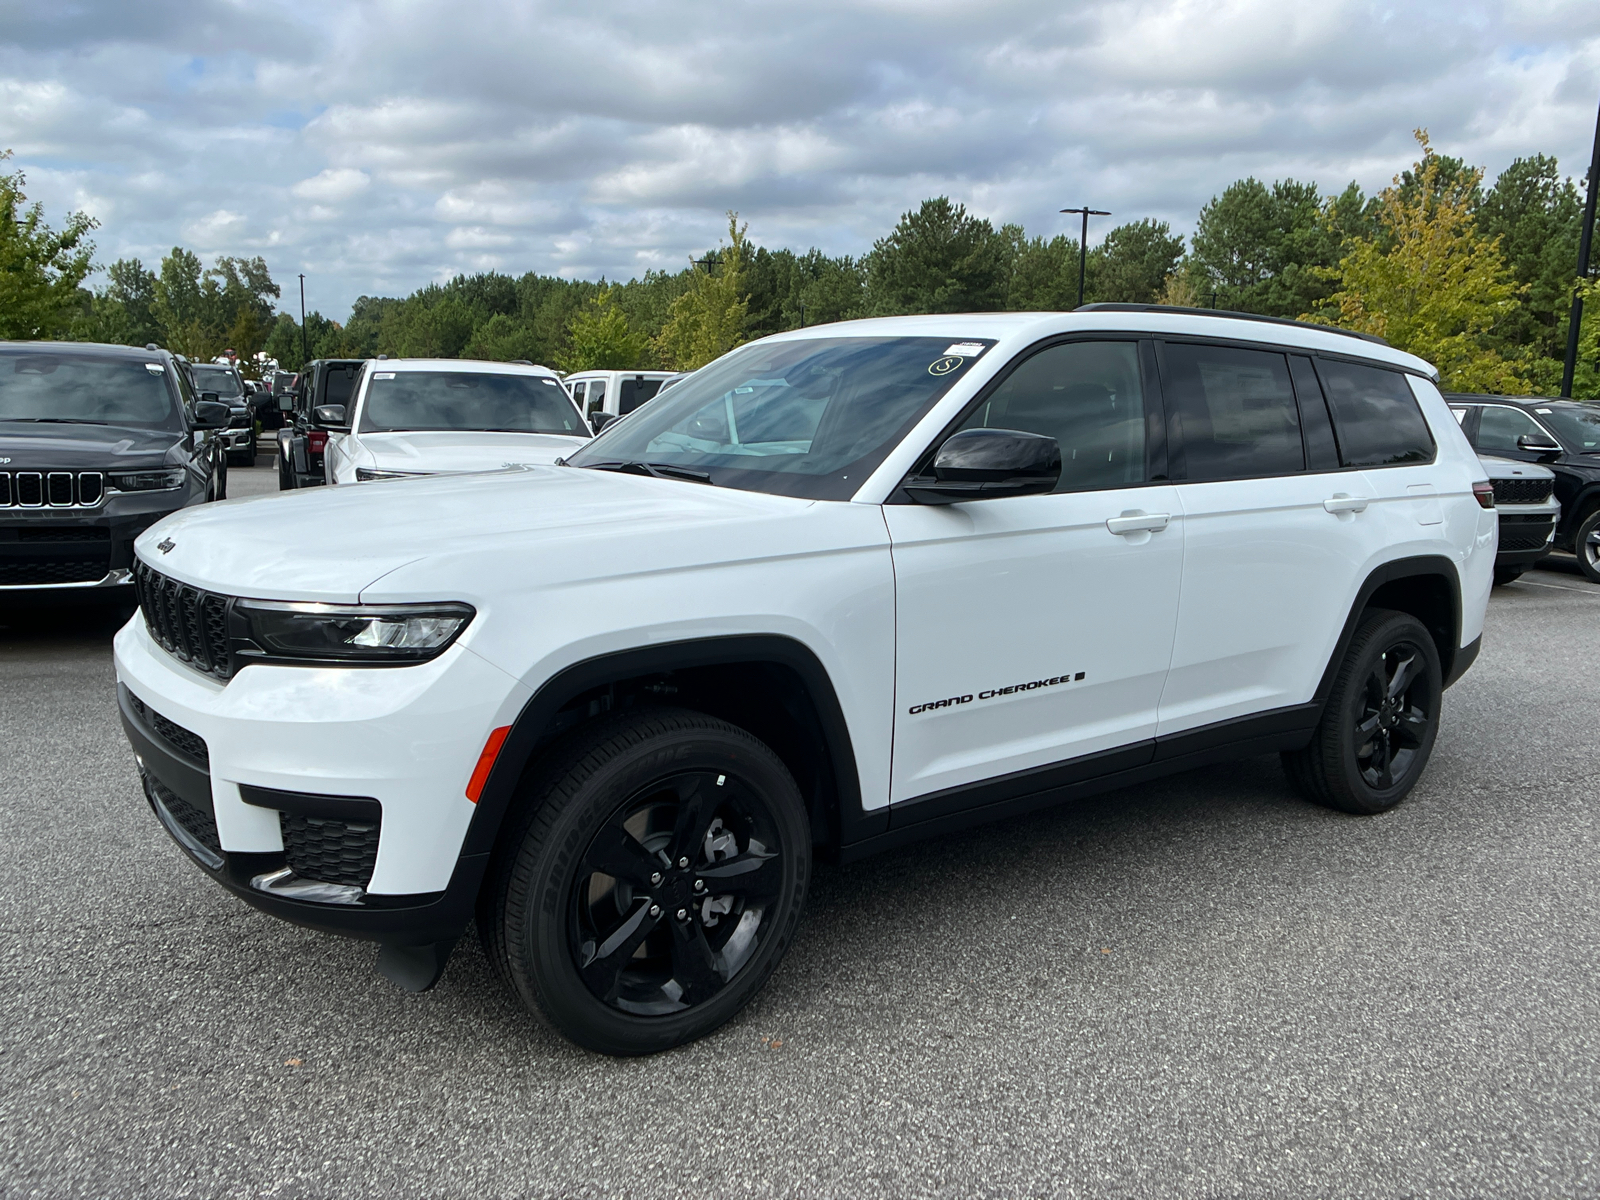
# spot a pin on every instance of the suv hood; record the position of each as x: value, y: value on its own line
x: 466, y: 450
x: 330, y: 543
x: 43, y: 445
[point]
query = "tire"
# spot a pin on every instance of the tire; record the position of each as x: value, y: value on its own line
x: 285, y: 475
x: 1344, y: 767
x: 666, y: 799
x: 1586, y: 545
x: 221, y: 477
x: 1505, y: 575
x: 245, y: 458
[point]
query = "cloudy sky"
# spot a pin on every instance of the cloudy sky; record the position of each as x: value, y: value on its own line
x: 377, y: 146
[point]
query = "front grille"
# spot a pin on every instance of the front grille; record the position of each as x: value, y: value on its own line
x: 189, y: 623
x: 1522, y: 491
x: 330, y: 851
x: 200, y: 825
x: 1524, y: 533
x: 51, y: 489
x: 29, y: 572
x: 184, y: 740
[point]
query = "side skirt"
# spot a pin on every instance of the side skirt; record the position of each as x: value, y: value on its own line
x: 955, y: 809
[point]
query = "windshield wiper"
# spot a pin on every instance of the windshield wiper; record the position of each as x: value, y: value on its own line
x: 56, y: 420
x: 657, y: 470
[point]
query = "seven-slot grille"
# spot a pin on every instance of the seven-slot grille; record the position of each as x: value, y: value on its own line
x: 51, y: 489
x: 190, y: 624
x: 1522, y: 491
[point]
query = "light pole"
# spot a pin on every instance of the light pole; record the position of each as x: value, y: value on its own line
x: 304, y: 353
x: 1083, y: 243
x: 1584, y: 242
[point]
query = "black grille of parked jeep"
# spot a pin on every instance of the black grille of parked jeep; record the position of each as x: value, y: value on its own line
x: 200, y: 825
x: 1522, y: 491
x: 329, y: 850
x: 183, y: 740
x: 190, y: 624
x: 1524, y: 533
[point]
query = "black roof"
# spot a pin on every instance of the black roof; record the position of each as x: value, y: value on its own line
x: 100, y: 349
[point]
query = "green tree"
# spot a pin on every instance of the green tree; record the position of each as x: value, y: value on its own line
x: 40, y: 268
x: 1537, y: 216
x: 180, y: 305
x: 1044, y: 274
x: 939, y: 259
x: 1430, y: 282
x: 599, y: 339
x: 1262, y: 249
x: 502, y: 338
x: 708, y: 319
x: 1132, y: 264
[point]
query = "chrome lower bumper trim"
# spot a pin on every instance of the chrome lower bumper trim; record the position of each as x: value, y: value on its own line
x: 119, y: 577
x: 284, y: 882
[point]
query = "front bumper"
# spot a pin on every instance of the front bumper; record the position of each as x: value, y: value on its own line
x: 287, y: 744
x: 55, y: 548
x: 237, y: 439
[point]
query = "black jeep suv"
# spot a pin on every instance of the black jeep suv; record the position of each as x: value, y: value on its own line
x: 97, y: 443
x: 228, y: 387
x: 1563, y: 435
x: 303, y: 439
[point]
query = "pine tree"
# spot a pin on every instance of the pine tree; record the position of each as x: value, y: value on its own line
x: 708, y: 320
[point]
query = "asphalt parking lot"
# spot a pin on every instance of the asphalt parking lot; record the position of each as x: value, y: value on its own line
x: 1200, y: 988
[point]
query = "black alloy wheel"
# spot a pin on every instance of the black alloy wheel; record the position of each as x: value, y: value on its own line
x: 1586, y: 545
x: 1380, y: 720
x: 651, y: 880
x: 672, y: 893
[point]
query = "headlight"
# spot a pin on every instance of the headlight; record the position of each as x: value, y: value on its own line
x: 147, y: 481
x: 267, y: 630
x: 369, y: 474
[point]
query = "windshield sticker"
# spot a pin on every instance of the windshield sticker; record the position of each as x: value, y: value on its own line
x: 383, y: 375
x: 155, y: 368
x: 966, y: 349
x: 943, y: 366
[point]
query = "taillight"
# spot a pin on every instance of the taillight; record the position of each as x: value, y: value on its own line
x: 317, y: 442
x: 1484, y: 491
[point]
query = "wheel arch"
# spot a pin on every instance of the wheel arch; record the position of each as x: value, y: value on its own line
x: 773, y: 686
x: 1583, y: 504
x: 1426, y: 586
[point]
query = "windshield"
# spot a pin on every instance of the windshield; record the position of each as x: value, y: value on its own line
x: 811, y: 417
x: 1578, y: 425
x: 220, y: 380
x: 56, y: 386
x: 468, y: 400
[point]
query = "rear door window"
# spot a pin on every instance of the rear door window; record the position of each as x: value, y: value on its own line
x: 597, y: 395
x: 1235, y: 412
x: 1375, y: 416
x: 1086, y: 395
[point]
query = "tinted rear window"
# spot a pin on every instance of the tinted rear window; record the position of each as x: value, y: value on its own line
x: 635, y: 392
x: 1375, y: 416
x: 340, y: 385
x: 1235, y: 410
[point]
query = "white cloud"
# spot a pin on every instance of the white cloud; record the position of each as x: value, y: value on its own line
x: 334, y: 185
x: 379, y: 146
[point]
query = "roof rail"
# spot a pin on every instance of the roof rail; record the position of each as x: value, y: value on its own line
x: 1223, y: 312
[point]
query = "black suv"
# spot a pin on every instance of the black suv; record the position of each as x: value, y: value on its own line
x: 303, y: 440
x: 1564, y: 435
x: 217, y: 382
x: 97, y: 443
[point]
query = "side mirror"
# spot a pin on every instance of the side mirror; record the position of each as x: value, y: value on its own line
x: 211, y: 396
x: 1538, y: 443
x: 599, y: 420
x: 285, y: 401
x: 330, y: 415
x: 211, y: 414
x: 978, y: 464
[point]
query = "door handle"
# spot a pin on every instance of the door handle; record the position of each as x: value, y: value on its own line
x: 1138, y: 522
x: 1342, y: 502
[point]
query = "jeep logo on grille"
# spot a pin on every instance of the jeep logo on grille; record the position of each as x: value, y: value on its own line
x: 165, y: 544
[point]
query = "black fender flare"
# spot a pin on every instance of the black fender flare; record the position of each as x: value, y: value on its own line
x: 1454, y: 659
x: 523, y: 742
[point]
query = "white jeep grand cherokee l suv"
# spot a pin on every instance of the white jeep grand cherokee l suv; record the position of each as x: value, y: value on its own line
x: 843, y: 588
x: 437, y: 416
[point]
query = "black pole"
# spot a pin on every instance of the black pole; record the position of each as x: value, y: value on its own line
x: 802, y: 314
x: 1083, y: 243
x: 304, y: 353
x: 1585, y: 240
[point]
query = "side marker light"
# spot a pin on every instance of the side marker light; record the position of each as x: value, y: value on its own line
x: 480, y: 773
